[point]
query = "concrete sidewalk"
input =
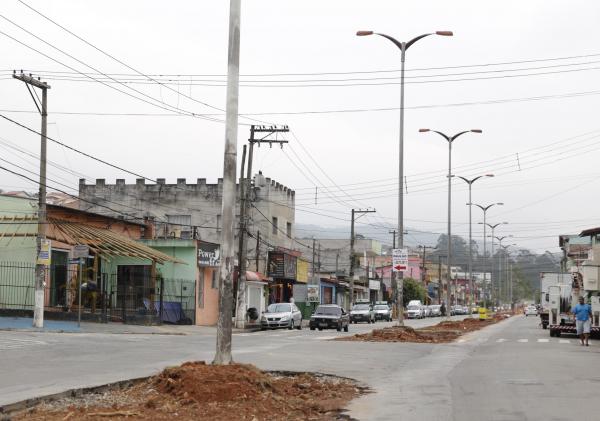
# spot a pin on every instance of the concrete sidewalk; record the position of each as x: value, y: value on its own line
x: 24, y: 324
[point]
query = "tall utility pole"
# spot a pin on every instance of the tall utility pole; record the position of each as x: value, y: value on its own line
x: 314, y: 272
x: 351, y: 272
x: 245, y: 199
x: 423, y: 279
x: 440, y: 283
x: 397, y: 281
x: 224, y: 325
x: 40, y: 267
x: 393, y: 232
x: 470, y: 204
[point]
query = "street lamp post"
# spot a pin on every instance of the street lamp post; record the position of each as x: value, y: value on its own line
x: 450, y: 140
x: 403, y: 46
x: 507, y: 269
x: 470, y: 183
x: 500, y: 247
x: 485, y: 209
x: 493, y: 227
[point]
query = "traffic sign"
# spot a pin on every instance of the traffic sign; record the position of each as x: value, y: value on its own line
x: 399, y: 260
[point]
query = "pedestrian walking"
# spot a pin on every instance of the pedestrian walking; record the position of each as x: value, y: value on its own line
x: 583, y: 314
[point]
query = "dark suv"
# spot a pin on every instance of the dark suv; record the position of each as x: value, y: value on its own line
x: 329, y: 316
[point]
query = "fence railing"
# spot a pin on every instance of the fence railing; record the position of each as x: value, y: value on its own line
x: 139, y: 300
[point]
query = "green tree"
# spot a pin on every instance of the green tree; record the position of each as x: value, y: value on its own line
x: 412, y: 290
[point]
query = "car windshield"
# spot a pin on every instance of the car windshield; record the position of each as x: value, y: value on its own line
x: 413, y: 307
x: 361, y: 307
x: 278, y: 308
x: 434, y: 307
x: 381, y: 308
x: 335, y: 311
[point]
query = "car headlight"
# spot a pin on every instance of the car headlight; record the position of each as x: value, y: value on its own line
x: 263, y: 318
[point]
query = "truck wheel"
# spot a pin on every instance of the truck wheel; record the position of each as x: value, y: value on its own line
x: 339, y: 327
x: 544, y: 326
x: 312, y: 328
x: 346, y: 328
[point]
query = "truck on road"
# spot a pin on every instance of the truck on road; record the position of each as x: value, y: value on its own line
x: 547, y: 279
x: 584, y: 282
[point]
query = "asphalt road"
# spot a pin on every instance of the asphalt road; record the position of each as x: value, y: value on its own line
x: 509, y: 371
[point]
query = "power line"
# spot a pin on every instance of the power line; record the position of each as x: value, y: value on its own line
x: 164, y: 106
x: 188, y: 81
x: 503, y: 63
x: 120, y: 61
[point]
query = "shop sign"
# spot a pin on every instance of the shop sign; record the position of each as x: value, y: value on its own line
x: 282, y: 265
x: 301, y: 271
x: 209, y: 254
x: 312, y: 293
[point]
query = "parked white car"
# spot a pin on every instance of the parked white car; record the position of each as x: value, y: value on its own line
x: 281, y: 315
x: 435, y: 310
x: 415, y: 311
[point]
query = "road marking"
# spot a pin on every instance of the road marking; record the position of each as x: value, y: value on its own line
x: 523, y: 340
x: 501, y: 340
x: 543, y: 340
x: 564, y: 341
x: 16, y: 343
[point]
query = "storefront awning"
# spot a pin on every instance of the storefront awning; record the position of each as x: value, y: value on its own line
x: 256, y: 276
x: 106, y: 243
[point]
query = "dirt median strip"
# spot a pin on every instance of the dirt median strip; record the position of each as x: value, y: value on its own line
x: 444, y: 332
x: 195, y: 390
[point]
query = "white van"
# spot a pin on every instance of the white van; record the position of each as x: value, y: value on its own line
x: 415, y: 309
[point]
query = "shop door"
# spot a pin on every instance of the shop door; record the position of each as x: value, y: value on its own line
x: 327, y: 295
x: 59, y: 273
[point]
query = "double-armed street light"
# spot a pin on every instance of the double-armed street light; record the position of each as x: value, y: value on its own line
x: 450, y: 140
x: 493, y: 228
x: 485, y: 209
x: 470, y: 183
x: 403, y: 46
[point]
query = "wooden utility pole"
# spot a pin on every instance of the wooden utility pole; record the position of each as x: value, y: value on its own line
x: 245, y: 199
x: 351, y: 272
x: 224, y: 324
x: 240, y: 315
x: 257, y: 250
x: 40, y: 266
x: 313, y: 262
x: 423, y: 269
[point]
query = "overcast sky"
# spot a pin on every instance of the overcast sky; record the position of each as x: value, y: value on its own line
x: 543, y: 110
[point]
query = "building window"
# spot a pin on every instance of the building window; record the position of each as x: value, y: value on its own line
x: 274, y: 225
x: 219, y: 223
x: 215, y: 279
x: 288, y: 229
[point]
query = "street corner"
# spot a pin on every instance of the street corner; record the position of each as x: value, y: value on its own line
x: 24, y: 324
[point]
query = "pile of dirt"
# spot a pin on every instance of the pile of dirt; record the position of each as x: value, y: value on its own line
x: 403, y: 334
x: 443, y: 332
x: 196, y: 390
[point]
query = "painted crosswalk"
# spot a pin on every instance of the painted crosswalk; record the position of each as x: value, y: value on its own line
x: 8, y: 343
x: 539, y: 340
